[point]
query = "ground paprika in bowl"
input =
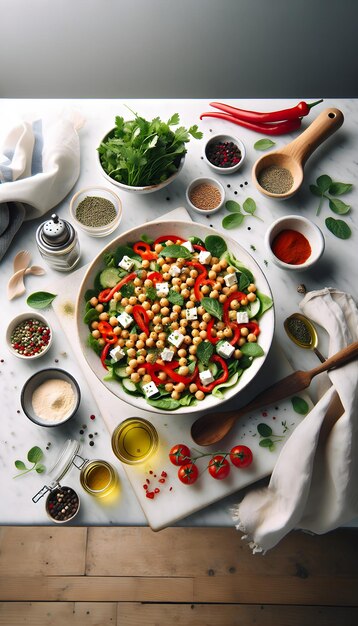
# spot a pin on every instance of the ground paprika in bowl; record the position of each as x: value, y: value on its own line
x: 294, y: 242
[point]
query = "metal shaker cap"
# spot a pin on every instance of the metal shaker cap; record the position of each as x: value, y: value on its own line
x: 55, y: 232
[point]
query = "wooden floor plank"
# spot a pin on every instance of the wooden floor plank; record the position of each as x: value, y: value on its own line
x: 58, y: 613
x: 42, y: 551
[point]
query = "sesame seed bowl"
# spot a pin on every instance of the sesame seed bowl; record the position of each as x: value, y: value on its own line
x: 205, y: 195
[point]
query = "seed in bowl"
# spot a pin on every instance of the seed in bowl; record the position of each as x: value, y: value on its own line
x: 30, y: 337
x: 205, y: 196
x: 95, y: 211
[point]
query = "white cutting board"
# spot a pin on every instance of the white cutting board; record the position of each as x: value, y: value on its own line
x: 175, y: 500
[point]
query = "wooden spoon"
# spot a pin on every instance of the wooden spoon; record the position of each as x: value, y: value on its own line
x: 294, y: 156
x: 211, y: 428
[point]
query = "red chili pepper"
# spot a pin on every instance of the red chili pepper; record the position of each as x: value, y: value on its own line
x: 167, y: 238
x: 222, y: 379
x: 107, y: 294
x: 155, y: 277
x: 143, y: 249
x: 104, y: 354
x: 141, y: 318
x: 279, y: 128
x: 300, y: 110
x: 236, y: 295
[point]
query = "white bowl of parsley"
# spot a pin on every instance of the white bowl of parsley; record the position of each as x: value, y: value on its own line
x: 141, y: 156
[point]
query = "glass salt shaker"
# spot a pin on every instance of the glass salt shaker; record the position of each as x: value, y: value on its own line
x: 58, y: 244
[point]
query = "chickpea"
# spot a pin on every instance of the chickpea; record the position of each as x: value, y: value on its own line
x: 226, y: 290
x: 151, y: 358
x: 162, y: 336
x: 244, y: 332
x: 195, y: 324
x: 113, y: 321
x: 200, y: 395
x: 141, y: 352
x: 157, y: 319
x: 227, y: 332
x: 179, y: 387
x: 201, y: 310
x: 231, y: 270
x: 101, y: 342
x: 125, y: 334
x: 203, y: 334
x: 223, y: 264
x: 124, y: 301
x: 132, y: 300
x: 251, y: 338
x: 222, y: 298
x: 94, y: 301
x: 244, y: 302
x: 234, y: 304
x: 145, y: 263
x: 183, y: 361
x: 156, y: 307
x: 212, y: 274
x: 117, y: 330
x: 140, y: 344
x: 251, y: 296
x: 130, y: 344
x: 146, y: 305
x: 175, y: 325
x: 103, y: 317
x: 165, y: 311
x: 193, y: 388
x: 205, y: 289
x: 162, y: 376
x: 193, y: 297
x: 251, y: 288
x: 233, y: 288
x: 182, y: 352
x: 176, y: 281
x: 187, y: 340
x: 237, y: 354
x: 232, y: 316
x: 217, y: 286
x: 146, y: 378
x: 160, y: 261
x: 129, y: 370
x: 173, y: 316
x: 241, y: 341
x: 141, y: 370
x: 160, y: 344
x: 117, y: 296
x: 185, y: 293
x: 193, y: 273
x: 142, y: 336
x: 96, y: 334
x: 148, y: 283
x: 135, y: 377
x: 132, y: 363
x: 197, y: 340
x: 128, y: 308
x: 214, y: 294
x: 158, y: 248
x: 99, y: 308
x: 190, y: 282
x: 166, y: 276
x: 131, y: 352
x: 150, y: 314
x: 220, y: 334
x: 94, y: 325
x: 164, y: 302
x: 175, y: 395
x: 195, y: 332
x: 192, y: 350
x: 120, y: 342
x: 165, y: 267
x: 206, y: 317
x: 158, y: 328
x: 150, y: 342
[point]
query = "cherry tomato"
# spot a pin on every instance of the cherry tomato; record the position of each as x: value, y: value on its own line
x: 219, y: 467
x: 241, y: 456
x: 179, y: 454
x: 188, y: 473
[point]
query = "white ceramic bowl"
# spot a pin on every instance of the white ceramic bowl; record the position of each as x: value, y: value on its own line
x: 18, y: 320
x: 99, y: 192
x: 185, y: 230
x: 209, y: 181
x: 222, y: 139
x: 35, y: 381
x: 304, y: 226
x: 138, y: 190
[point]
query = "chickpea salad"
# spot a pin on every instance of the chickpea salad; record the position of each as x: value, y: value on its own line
x: 175, y: 320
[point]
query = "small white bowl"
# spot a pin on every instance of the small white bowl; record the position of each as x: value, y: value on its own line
x: 15, y: 322
x: 38, y: 379
x: 208, y: 181
x: 99, y: 192
x: 222, y: 139
x: 304, y: 226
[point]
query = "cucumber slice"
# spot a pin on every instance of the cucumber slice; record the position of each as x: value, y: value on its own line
x: 109, y: 277
x: 129, y: 386
x: 213, y: 368
x: 252, y: 309
x: 120, y: 370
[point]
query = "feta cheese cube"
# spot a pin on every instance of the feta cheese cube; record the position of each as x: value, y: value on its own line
x: 162, y: 289
x: 230, y: 279
x: 188, y: 245
x: 176, y: 339
x: 125, y: 320
x: 204, y: 257
x: 206, y: 377
x: 242, y: 317
x: 150, y: 389
x: 167, y: 354
x: 126, y: 263
x: 175, y: 271
x: 191, y: 314
x: 117, y: 353
x: 225, y: 349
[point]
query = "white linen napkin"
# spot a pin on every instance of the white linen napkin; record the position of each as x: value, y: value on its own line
x: 313, y: 486
x: 39, y: 164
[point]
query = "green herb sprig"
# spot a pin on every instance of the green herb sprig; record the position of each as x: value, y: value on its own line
x: 34, y: 456
x: 268, y: 438
x: 325, y: 189
x: 237, y: 217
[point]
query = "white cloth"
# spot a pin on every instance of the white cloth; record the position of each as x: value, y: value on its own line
x: 313, y: 486
x: 39, y: 165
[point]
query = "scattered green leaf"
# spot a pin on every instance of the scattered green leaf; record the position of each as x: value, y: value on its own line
x: 252, y: 349
x: 175, y: 252
x: 175, y: 298
x: 233, y: 221
x: 215, y: 245
x: 338, y: 189
x: 249, y: 206
x: 337, y: 206
x: 236, y: 218
x: 267, y: 443
x: 146, y: 239
x: 324, y: 182
x: 40, y: 299
x: 214, y: 307
x: 127, y: 290
x: 20, y: 465
x: 264, y: 144
x: 204, y: 352
x: 232, y: 206
x: 34, y: 455
x: 299, y: 405
x: 339, y: 228
x: 151, y: 293
x: 264, y: 430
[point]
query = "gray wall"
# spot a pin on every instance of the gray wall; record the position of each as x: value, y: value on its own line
x: 178, y: 48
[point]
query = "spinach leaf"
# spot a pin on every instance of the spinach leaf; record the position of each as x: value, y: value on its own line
x: 205, y: 351
x: 266, y: 303
x: 175, y: 298
x: 176, y: 252
x: 191, y: 367
x: 233, y: 220
x: 91, y: 316
x: 264, y: 430
x: 127, y: 290
x: 215, y: 245
x: 232, y: 260
x: 324, y: 182
x: 214, y: 307
x: 93, y: 343
x: 187, y: 399
x: 338, y: 189
x: 252, y: 349
x: 338, y: 228
x: 167, y: 404
x: 249, y: 206
x: 337, y: 206
x: 300, y: 405
x: 90, y: 293
x: 264, y: 144
x: 232, y: 206
x: 229, y: 383
x: 40, y: 299
x: 196, y: 240
x: 243, y: 282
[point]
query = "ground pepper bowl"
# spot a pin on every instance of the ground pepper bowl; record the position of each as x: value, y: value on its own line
x: 99, y: 192
x: 185, y: 230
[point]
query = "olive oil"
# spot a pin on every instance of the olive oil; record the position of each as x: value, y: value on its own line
x: 134, y: 440
x: 98, y: 478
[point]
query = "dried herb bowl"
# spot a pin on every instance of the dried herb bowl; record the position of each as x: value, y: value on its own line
x: 96, y: 211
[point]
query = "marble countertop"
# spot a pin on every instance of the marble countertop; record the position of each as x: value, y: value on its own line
x: 337, y: 268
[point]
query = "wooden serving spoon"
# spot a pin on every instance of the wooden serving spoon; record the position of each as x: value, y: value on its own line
x: 294, y: 156
x: 211, y: 428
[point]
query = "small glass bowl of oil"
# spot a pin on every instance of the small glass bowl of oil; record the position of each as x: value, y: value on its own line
x: 98, y: 478
x: 134, y: 440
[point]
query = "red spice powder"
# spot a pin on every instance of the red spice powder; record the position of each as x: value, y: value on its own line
x: 291, y: 247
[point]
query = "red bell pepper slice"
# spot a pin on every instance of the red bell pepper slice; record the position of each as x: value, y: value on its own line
x: 107, y: 294
x: 173, y: 238
x: 155, y: 277
x: 222, y: 379
x: 237, y: 334
x: 107, y: 333
x: 104, y: 354
x: 252, y: 326
x: 141, y: 318
x: 236, y: 295
x: 143, y: 249
x: 198, y: 247
x: 168, y: 368
x: 209, y: 329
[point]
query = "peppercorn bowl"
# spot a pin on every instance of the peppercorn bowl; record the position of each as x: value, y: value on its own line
x: 294, y: 243
x: 224, y: 154
x: 203, y: 193
x: 96, y: 211
x: 28, y: 340
x: 37, y: 408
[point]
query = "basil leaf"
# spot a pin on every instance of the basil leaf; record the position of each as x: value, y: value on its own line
x: 196, y: 240
x: 151, y: 293
x: 267, y: 443
x: 214, y: 307
x: 264, y: 430
x: 232, y: 221
x: 205, y: 351
x: 175, y: 298
x: 252, y: 349
x: 215, y: 245
x: 167, y: 404
x: 316, y: 191
x: 339, y: 207
x: 34, y: 455
x: 91, y: 316
x: 338, y: 189
x: 40, y: 469
x: 338, y: 228
x: 176, y: 252
x: 264, y: 144
x: 40, y: 299
x: 249, y: 206
x: 324, y: 182
x: 20, y: 465
x: 244, y: 282
x: 233, y: 206
x: 300, y: 405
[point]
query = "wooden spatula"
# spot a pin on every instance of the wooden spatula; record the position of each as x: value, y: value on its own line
x: 211, y: 428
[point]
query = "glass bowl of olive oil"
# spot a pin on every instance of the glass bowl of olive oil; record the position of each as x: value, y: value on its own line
x: 134, y: 441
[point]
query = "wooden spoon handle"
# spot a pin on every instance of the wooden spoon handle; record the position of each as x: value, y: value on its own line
x: 323, y: 126
x: 338, y: 359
